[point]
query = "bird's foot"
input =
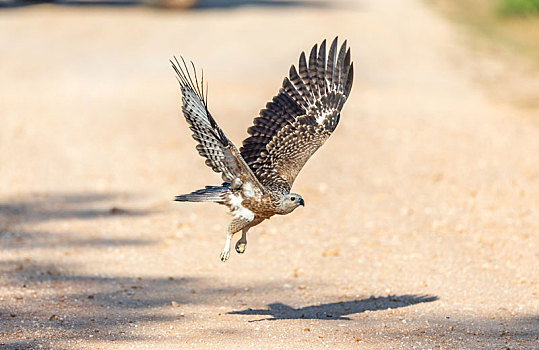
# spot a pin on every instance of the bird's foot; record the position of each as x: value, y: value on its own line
x: 225, y: 254
x: 240, y: 246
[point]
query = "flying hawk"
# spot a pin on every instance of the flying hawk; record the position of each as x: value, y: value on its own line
x: 300, y: 118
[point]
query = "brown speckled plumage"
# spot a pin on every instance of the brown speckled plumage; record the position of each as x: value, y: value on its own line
x: 298, y: 120
x: 286, y: 134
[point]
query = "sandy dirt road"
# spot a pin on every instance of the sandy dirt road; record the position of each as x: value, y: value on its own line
x: 421, y: 224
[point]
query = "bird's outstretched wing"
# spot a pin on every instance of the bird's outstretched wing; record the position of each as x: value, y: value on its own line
x: 300, y: 117
x: 221, y: 155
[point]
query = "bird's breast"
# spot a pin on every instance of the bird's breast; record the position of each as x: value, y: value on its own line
x: 262, y: 208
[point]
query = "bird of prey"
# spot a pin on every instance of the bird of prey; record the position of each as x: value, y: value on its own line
x: 299, y: 119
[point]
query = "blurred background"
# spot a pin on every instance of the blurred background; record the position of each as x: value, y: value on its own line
x: 421, y: 223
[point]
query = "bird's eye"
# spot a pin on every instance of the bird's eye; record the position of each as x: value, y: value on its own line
x: 292, y: 198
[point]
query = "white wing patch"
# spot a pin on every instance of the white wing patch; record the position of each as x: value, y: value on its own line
x: 248, y: 190
x: 323, y: 116
x: 244, y: 213
x: 235, y: 201
x: 238, y: 210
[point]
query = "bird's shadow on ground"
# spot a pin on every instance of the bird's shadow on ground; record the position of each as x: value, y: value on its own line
x: 337, y: 310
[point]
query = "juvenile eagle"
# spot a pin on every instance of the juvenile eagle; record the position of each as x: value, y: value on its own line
x: 298, y: 120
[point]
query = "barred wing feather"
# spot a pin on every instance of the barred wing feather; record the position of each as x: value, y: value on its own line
x: 300, y: 118
x: 221, y: 155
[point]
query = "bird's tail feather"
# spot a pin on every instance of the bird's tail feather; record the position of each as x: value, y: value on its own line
x: 215, y: 194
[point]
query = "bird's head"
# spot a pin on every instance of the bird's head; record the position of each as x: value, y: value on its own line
x: 289, y: 202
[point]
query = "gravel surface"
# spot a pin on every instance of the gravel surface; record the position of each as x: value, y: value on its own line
x: 421, y: 224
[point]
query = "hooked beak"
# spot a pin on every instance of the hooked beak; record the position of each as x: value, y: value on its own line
x: 301, y: 202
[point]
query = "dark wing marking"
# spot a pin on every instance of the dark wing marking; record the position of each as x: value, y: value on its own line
x: 221, y: 155
x: 300, y: 117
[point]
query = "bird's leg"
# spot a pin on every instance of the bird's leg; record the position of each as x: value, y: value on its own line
x: 237, y: 224
x: 225, y: 254
x: 233, y: 226
x: 242, y: 242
